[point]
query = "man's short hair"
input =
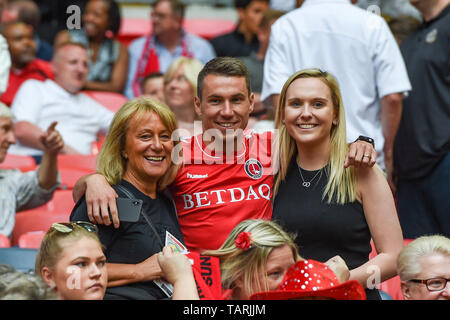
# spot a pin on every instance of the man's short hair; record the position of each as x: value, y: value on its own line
x: 223, y: 66
x: 177, y: 6
x: 6, y: 25
x: 5, y: 111
x: 242, y: 4
x: 65, y: 44
x: 152, y: 75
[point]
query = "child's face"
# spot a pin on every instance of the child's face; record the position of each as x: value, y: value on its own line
x: 154, y: 88
x: 81, y: 274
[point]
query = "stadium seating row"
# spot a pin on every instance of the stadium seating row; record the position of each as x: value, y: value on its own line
x: 132, y: 28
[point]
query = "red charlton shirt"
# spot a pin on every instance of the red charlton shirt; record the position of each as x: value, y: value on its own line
x: 214, y: 193
x: 37, y: 69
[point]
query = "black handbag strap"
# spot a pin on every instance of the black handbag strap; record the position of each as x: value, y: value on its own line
x: 146, y: 217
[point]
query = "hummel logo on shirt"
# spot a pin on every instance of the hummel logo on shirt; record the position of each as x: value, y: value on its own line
x: 196, y: 176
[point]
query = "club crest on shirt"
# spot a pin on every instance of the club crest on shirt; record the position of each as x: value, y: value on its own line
x: 253, y: 168
x: 431, y: 36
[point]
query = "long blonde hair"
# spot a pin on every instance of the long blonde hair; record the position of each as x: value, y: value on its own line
x: 111, y: 163
x: 246, y: 265
x: 341, y: 184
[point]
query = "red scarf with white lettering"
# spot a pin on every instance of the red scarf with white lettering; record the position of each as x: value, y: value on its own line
x: 149, y: 61
x: 207, y: 276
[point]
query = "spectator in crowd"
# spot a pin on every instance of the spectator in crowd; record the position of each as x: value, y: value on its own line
x: 136, y: 160
x: 321, y: 284
x: 255, y: 64
x: 24, y: 64
x: 422, y: 146
x: 402, y: 27
x: 80, y: 118
x: 28, y: 12
x: 71, y: 261
x: 108, y: 58
x: 227, y: 174
x: 180, y: 87
x: 153, y: 86
x: 20, y: 191
x: 243, y: 40
x: 167, y: 42
x: 424, y: 268
x: 347, y: 207
x: 256, y: 255
x: 16, y: 285
x: 365, y: 59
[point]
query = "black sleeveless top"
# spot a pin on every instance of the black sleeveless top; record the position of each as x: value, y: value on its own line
x: 322, y: 230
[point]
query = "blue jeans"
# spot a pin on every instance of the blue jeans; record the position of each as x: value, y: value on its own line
x: 424, y: 204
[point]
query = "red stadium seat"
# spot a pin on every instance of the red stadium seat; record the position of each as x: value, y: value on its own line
x: 58, y: 209
x: 132, y: 28
x: 78, y: 161
x: 209, y: 28
x: 70, y: 176
x: 31, y: 240
x: 23, y: 163
x: 36, y: 221
x: 391, y: 286
x: 4, y: 241
x: 111, y: 100
x: 97, y: 145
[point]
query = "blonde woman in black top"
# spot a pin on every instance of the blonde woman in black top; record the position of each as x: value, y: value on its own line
x: 334, y: 210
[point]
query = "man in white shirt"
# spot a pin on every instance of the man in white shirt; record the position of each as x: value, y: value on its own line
x: 357, y: 47
x: 5, y: 64
x: 39, y: 103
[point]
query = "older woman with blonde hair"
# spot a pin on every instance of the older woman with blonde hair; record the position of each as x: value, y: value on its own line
x: 180, y: 87
x: 136, y: 161
x: 424, y: 268
x: 335, y: 210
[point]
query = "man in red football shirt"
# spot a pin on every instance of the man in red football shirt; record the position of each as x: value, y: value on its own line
x: 227, y: 175
x: 24, y: 64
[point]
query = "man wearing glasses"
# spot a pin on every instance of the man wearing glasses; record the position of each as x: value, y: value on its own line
x: 168, y: 41
x: 424, y: 269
